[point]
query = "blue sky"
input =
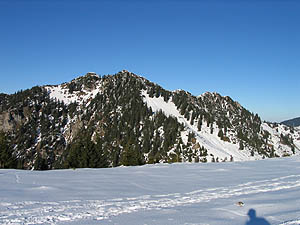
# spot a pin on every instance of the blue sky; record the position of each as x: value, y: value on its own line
x: 248, y: 50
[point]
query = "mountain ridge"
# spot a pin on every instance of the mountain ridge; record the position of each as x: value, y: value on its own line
x: 124, y: 119
x: 295, y: 122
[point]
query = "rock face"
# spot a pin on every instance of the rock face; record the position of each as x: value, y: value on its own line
x: 5, y: 124
x: 124, y: 119
x: 10, y: 121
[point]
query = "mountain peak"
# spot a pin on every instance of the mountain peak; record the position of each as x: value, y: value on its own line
x: 124, y: 71
x: 88, y: 75
x: 91, y: 74
x: 208, y: 93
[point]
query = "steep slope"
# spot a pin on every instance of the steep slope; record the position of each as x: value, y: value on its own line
x: 229, y: 130
x: 124, y: 119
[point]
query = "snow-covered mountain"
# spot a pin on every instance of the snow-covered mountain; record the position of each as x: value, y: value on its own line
x: 124, y: 119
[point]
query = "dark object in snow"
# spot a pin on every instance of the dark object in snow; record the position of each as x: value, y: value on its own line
x: 240, y: 204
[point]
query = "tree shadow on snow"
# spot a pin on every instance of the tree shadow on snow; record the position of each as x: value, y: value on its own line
x: 253, y: 220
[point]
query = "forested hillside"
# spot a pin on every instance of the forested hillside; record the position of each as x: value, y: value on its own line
x: 124, y: 119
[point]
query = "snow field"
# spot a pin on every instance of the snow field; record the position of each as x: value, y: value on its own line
x: 182, y: 193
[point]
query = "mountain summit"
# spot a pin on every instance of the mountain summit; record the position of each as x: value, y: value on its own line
x: 124, y: 119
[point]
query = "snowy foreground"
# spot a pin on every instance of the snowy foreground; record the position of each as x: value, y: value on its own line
x: 154, y: 194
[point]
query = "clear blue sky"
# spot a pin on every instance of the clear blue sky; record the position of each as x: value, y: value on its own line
x: 249, y: 50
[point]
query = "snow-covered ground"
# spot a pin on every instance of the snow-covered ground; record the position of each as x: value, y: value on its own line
x: 154, y: 194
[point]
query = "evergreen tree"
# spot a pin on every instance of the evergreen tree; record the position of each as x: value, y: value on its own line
x: 199, y: 124
x: 7, y: 160
x: 241, y: 146
x: 40, y: 163
x: 101, y: 157
x: 131, y: 156
x: 220, y: 134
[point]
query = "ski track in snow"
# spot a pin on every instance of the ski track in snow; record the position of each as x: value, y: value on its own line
x: 17, y: 179
x: 38, y: 212
x: 294, y: 222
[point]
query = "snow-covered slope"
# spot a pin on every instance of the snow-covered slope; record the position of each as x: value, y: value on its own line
x: 161, y: 194
x: 212, y: 142
x: 217, y: 148
x: 275, y: 138
x: 62, y: 92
